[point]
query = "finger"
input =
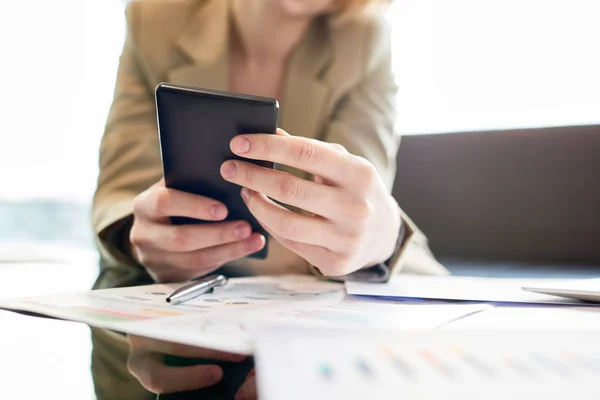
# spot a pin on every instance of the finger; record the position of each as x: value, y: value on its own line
x: 156, y: 377
x: 185, y: 238
x: 328, y: 262
x: 181, y: 266
x: 291, y: 225
x: 143, y: 344
x: 284, y: 187
x: 281, y: 132
x: 337, y: 147
x: 250, y: 374
x: 248, y: 390
x: 308, y: 155
x: 159, y: 202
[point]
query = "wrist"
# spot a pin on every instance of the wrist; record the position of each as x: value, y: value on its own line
x: 390, y: 250
x: 392, y: 243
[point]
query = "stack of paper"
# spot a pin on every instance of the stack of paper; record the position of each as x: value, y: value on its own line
x: 497, y: 290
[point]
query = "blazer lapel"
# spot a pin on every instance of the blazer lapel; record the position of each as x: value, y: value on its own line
x: 205, y: 40
x: 305, y: 94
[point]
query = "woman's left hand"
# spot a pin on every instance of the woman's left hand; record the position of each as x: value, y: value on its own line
x: 354, y: 223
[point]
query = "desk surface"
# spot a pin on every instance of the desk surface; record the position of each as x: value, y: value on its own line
x: 32, y: 347
x: 55, y: 355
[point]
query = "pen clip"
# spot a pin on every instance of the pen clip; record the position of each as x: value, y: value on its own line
x: 213, y: 280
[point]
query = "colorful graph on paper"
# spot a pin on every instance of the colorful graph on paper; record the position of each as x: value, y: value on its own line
x: 428, y: 365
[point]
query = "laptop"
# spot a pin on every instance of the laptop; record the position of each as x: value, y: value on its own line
x: 580, y: 289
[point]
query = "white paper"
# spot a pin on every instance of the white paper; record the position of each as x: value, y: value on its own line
x: 582, y: 289
x: 458, y: 288
x: 227, y: 319
x: 529, y: 317
x: 427, y: 365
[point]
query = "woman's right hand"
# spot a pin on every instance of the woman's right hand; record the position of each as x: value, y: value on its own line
x: 180, y: 252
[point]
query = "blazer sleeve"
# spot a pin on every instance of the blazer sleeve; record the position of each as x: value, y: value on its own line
x: 364, y: 123
x: 129, y: 154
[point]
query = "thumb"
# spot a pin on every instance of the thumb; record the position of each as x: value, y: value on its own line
x: 248, y: 390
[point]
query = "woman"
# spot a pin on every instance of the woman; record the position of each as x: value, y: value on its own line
x: 329, y: 64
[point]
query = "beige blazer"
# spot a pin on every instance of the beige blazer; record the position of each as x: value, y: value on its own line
x: 338, y: 88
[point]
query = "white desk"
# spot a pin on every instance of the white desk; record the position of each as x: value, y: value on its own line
x: 44, y: 357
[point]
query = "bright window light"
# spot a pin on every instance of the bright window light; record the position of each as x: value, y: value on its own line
x: 496, y: 64
x: 57, y: 87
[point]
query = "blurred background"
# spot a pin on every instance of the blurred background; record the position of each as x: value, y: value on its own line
x: 461, y: 65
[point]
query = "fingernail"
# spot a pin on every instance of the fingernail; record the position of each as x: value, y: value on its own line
x: 238, y: 357
x: 255, y: 243
x: 240, y: 145
x: 245, y: 194
x: 213, y: 374
x: 228, y: 169
x: 242, y: 231
x: 218, y: 211
x: 240, y: 395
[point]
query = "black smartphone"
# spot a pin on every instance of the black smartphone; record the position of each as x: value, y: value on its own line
x: 195, y: 127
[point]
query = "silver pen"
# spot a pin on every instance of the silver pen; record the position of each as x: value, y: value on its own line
x: 196, y: 288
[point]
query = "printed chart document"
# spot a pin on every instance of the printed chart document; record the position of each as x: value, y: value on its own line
x: 458, y: 288
x: 431, y: 365
x: 227, y: 318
